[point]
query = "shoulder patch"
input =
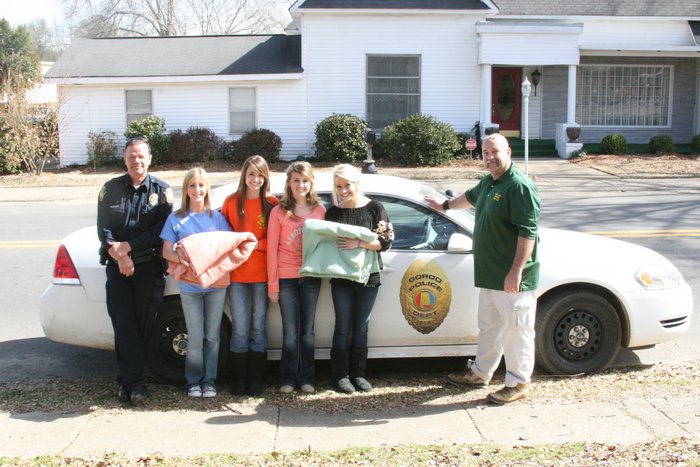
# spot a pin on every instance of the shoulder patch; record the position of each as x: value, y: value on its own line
x: 102, y: 194
x: 169, y: 196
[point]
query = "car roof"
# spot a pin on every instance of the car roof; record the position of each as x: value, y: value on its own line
x: 371, y: 184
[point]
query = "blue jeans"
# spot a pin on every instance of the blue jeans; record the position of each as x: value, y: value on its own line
x: 203, y: 312
x: 298, y: 307
x: 353, y: 307
x: 248, y: 328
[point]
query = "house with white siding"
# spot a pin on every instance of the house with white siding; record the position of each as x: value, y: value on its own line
x: 627, y: 66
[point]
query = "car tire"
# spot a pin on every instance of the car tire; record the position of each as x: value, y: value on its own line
x: 167, y: 345
x: 576, y: 333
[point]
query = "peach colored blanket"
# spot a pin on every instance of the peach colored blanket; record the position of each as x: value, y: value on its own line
x: 211, y: 256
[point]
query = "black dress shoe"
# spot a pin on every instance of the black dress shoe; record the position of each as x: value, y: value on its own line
x: 139, y: 394
x: 123, y: 395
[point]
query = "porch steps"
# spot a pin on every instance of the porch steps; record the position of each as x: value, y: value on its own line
x: 536, y: 147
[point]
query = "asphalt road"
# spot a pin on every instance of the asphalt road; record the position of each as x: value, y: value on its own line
x: 28, y: 244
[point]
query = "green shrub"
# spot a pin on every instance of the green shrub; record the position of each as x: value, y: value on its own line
x: 179, y: 147
x: 341, y: 137
x: 420, y: 139
x: 47, y: 125
x: 260, y: 141
x: 613, y: 144
x: 102, y: 149
x: 695, y: 144
x: 226, y: 150
x: 9, y: 164
x: 661, y: 144
x: 153, y: 129
x: 205, y: 144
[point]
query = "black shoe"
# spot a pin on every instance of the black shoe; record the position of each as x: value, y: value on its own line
x: 344, y: 385
x: 362, y: 384
x: 123, y: 395
x: 139, y: 394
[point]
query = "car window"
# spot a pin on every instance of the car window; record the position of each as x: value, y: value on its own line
x: 416, y: 227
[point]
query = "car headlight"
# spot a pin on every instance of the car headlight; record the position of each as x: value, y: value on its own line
x: 655, y: 277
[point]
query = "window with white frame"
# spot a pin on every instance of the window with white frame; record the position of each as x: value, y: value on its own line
x: 612, y: 95
x: 241, y: 104
x: 393, y: 88
x: 139, y: 105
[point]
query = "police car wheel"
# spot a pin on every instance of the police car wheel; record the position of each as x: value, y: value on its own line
x: 167, y: 345
x: 576, y: 332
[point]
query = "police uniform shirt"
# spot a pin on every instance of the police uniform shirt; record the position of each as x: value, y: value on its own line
x: 134, y: 215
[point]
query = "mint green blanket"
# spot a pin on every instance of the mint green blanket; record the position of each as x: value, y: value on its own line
x: 322, y: 258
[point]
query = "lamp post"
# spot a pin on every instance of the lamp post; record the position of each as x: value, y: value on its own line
x: 525, y: 88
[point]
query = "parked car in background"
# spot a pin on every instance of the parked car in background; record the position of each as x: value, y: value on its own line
x: 596, y: 294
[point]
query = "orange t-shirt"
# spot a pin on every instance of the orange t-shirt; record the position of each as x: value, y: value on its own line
x: 255, y: 268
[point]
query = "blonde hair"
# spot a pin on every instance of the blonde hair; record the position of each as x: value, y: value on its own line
x: 304, y: 169
x: 349, y: 173
x: 195, y: 172
x: 258, y: 163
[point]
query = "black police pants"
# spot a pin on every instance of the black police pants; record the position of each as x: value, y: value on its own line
x: 132, y: 303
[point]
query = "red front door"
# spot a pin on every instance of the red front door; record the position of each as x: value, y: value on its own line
x: 505, y: 99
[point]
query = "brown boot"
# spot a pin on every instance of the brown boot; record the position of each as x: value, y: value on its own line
x: 509, y: 394
x: 468, y: 378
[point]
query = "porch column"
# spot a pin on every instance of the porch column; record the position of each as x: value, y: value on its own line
x: 567, y: 133
x: 571, y: 101
x: 486, y: 99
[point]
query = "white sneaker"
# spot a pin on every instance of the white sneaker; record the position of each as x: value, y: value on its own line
x: 208, y: 391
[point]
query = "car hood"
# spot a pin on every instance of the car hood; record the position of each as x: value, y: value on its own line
x: 567, y: 256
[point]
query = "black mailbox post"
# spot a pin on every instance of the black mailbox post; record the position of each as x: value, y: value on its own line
x: 368, y: 166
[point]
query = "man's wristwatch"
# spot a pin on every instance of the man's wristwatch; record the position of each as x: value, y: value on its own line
x: 446, y: 205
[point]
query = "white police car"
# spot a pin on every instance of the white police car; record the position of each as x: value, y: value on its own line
x: 596, y: 294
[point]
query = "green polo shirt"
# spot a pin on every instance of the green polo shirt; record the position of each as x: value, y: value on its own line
x: 506, y: 209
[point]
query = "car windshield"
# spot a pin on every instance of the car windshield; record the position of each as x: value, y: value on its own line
x: 465, y: 217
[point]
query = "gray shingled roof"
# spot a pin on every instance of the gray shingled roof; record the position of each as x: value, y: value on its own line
x: 687, y: 8
x: 179, y: 56
x: 397, y: 4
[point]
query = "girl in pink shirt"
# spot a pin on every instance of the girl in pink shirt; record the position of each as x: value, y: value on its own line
x: 296, y: 295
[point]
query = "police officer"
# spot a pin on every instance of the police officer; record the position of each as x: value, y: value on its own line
x: 131, y: 211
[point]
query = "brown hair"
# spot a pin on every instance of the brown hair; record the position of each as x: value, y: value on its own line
x: 304, y: 169
x: 258, y: 163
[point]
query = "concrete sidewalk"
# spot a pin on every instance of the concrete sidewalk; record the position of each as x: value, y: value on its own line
x: 551, y: 174
x: 269, y: 428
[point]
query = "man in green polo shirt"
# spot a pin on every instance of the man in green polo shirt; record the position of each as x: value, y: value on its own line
x: 506, y: 269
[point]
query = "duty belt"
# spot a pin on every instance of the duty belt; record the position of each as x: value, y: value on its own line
x: 144, y: 256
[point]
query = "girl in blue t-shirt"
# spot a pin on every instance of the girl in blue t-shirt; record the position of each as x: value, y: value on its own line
x: 203, y: 307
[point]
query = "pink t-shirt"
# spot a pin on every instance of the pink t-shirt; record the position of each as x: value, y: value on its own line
x: 284, y: 244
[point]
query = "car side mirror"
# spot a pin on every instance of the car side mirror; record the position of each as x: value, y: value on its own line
x: 459, y: 243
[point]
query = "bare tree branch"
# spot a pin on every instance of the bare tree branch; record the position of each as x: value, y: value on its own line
x: 178, y: 17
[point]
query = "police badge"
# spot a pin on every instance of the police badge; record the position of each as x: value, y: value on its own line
x: 426, y: 294
x: 153, y: 199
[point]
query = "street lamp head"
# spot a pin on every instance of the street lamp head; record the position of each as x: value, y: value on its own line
x: 526, y: 88
x: 536, y: 75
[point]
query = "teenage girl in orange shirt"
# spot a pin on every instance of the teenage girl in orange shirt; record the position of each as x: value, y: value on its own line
x: 247, y: 210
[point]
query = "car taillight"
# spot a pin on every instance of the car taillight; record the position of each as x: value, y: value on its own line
x: 64, y: 271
